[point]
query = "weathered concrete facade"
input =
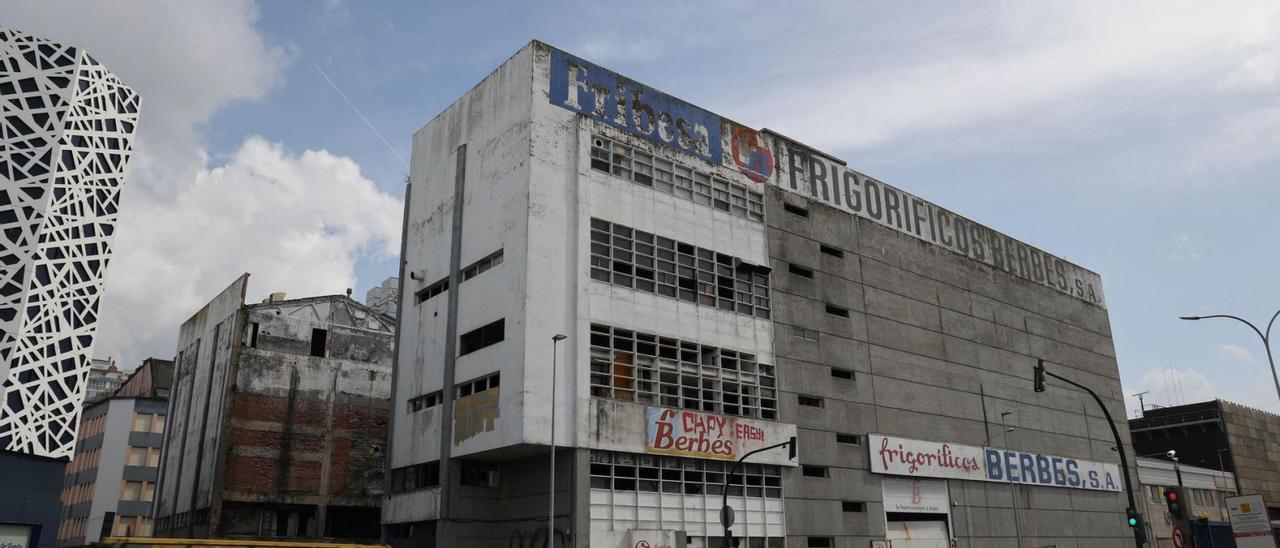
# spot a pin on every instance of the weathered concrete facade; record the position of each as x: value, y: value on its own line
x: 918, y: 342
x: 720, y: 292
x: 279, y: 420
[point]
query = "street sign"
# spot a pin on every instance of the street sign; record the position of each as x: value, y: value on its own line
x: 1179, y: 541
x: 1249, y: 522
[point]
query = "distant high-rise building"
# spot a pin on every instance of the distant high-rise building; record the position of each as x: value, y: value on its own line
x: 67, y: 132
x: 104, y: 378
x: 383, y: 298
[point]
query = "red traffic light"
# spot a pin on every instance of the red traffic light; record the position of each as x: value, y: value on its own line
x: 1172, y: 496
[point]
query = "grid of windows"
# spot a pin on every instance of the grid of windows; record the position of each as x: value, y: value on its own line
x: 666, y: 176
x: 632, y: 366
x: 654, y: 474
x: 654, y: 264
x: 470, y: 271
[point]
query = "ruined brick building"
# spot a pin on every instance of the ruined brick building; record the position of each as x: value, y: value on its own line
x: 278, y: 420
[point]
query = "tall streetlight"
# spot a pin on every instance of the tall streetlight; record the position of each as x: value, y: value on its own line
x: 1013, y: 492
x: 551, y: 490
x: 1265, y: 335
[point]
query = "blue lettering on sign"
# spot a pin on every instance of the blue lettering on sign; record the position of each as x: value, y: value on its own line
x: 1111, y: 483
x: 1028, y: 465
x: 1059, y: 476
x: 1073, y: 473
x: 1093, y: 479
x: 994, y: 470
x: 1043, y: 474
x: 613, y: 99
x: 1011, y: 465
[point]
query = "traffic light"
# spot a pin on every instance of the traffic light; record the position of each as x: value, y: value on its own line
x: 1173, y: 501
x: 1133, y: 517
x: 791, y: 449
x: 1039, y: 376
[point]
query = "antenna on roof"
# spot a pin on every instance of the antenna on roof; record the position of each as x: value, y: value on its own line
x: 1142, y: 407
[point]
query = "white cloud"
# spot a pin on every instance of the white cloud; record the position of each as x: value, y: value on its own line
x: 1233, y: 353
x: 298, y: 222
x: 1091, y: 60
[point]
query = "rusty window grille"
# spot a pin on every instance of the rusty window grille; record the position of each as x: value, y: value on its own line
x: 669, y: 177
x: 634, y: 366
x: 654, y: 264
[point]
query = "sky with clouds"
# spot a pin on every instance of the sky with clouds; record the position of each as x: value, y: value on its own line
x: 1139, y: 139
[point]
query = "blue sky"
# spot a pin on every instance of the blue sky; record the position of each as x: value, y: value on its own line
x: 1141, y: 141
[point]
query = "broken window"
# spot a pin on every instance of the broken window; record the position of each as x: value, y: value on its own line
x: 668, y: 177
x: 646, y: 262
x: 481, y: 337
x: 636, y: 366
x: 319, y: 341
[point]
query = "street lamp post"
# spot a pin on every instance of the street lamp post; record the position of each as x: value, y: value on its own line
x: 551, y: 490
x: 1013, y: 490
x: 726, y: 513
x: 1264, y: 335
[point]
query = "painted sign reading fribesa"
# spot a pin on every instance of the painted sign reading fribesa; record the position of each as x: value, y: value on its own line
x: 929, y: 459
x: 611, y: 98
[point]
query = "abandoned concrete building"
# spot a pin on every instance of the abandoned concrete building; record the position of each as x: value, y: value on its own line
x: 687, y: 289
x: 278, y: 420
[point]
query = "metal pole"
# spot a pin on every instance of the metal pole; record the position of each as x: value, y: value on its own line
x: 1266, y: 339
x: 1013, y: 493
x: 1124, y: 461
x: 724, y: 499
x: 551, y: 490
x: 1177, y: 471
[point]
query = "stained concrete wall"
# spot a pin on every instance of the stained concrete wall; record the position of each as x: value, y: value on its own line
x: 492, y: 120
x: 204, y: 357
x: 939, y: 345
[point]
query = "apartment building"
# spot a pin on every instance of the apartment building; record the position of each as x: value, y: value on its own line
x: 668, y: 290
x: 111, y: 482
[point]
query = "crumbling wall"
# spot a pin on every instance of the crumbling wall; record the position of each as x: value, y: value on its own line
x: 304, y: 429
